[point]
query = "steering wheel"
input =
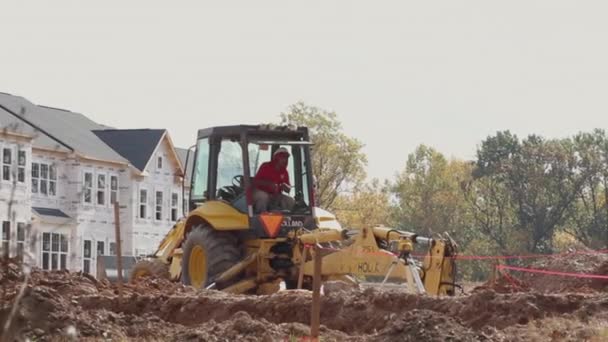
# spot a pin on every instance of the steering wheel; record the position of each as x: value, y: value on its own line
x: 238, y: 181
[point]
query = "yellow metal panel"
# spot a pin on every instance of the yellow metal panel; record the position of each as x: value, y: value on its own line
x: 173, y: 238
x: 434, y: 269
x: 319, y: 236
x: 175, y: 269
x: 221, y: 215
x: 363, y: 258
x: 354, y: 263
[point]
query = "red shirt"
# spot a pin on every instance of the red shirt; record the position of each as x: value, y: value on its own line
x: 268, y: 172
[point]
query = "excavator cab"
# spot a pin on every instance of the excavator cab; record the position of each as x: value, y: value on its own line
x: 226, y: 161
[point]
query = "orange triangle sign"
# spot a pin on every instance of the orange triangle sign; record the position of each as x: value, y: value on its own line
x: 272, y: 223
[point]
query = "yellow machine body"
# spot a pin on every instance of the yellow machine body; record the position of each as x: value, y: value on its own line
x: 245, y: 261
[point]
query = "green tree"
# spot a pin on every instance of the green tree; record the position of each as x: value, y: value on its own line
x: 541, y: 177
x: 491, y: 213
x: 588, y: 216
x: 338, y: 162
x: 428, y: 194
x: 368, y: 205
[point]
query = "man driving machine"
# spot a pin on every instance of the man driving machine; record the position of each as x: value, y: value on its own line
x: 271, y: 180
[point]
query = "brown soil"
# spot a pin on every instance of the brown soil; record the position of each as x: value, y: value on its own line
x: 57, y: 305
x: 581, y: 262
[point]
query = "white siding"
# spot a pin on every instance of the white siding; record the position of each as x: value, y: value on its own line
x: 95, y: 219
x: 148, y: 232
x: 14, y: 195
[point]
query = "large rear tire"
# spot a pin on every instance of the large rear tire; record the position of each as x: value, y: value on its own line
x: 207, y: 254
x: 149, y: 268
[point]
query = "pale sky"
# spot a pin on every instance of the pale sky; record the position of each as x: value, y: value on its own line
x: 398, y: 73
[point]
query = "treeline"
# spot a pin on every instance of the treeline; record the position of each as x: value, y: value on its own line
x: 519, y: 195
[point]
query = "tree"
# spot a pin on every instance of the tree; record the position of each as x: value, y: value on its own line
x: 338, y: 162
x: 368, y: 205
x: 491, y: 212
x: 428, y: 195
x: 541, y: 178
x: 588, y: 216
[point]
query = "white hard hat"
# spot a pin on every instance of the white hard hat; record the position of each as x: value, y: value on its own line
x: 280, y: 150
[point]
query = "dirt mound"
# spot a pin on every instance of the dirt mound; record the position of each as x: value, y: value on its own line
x: 242, y: 327
x: 62, y: 303
x: 577, y: 262
x: 504, y: 283
x: 425, y: 325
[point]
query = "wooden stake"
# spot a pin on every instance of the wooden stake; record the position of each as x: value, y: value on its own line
x: 118, y: 249
x: 301, y: 273
x: 495, y: 273
x: 315, y: 318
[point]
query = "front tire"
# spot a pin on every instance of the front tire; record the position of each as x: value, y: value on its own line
x: 207, y: 254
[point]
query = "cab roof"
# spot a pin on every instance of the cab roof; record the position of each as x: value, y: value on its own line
x: 258, y: 131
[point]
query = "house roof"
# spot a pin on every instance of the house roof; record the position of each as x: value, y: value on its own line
x: 135, y: 145
x: 13, y: 124
x: 182, y: 153
x: 73, y: 131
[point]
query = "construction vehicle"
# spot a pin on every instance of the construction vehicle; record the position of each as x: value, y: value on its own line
x: 224, y: 244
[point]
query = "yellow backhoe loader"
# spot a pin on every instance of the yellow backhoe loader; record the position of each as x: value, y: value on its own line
x: 224, y: 244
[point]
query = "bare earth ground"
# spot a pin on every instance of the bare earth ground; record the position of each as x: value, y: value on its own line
x: 61, y: 306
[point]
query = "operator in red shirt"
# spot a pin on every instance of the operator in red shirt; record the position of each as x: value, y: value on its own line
x: 271, y: 180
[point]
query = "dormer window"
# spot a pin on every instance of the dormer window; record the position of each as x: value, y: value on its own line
x: 159, y: 163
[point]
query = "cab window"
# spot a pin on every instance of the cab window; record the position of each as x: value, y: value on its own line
x: 229, y: 163
x: 201, y: 176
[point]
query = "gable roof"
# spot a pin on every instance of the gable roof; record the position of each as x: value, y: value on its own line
x: 71, y: 130
x: 135, y: 145
x: 182, y: 154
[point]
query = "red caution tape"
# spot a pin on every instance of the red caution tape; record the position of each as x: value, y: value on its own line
x: 526, y: 256
x: 481, y: 257
x: 557, y: 273
x: 510, y: 279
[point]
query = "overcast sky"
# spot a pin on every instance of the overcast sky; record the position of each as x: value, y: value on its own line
x: 398, y: 73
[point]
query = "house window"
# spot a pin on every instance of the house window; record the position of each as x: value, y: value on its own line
x: 44, y: 179
x: 20, y: 239
x: 159, y: 205
x: 35, y: 177
x: 113, y: 189
x: 101, y: 189
x: 54, y: 251
x: 52, y: 180
x: 21, y: 166
x: 6, y: 238
x: 174, y: 201
x: 88, y: 187
x: 100, y: 248
x: 143, y: 203
x: 7, y: 160
x: 159, y: 163
x: 86, y: 257
x: 112, y: 248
